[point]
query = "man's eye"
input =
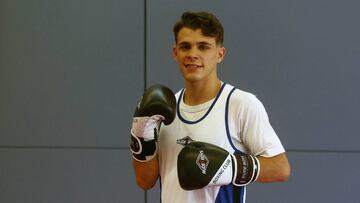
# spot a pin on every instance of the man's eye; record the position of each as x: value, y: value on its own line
x: 184, y: 47
x: 203, y: 47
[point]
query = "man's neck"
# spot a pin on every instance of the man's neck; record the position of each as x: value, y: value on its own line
x: 200, y: 92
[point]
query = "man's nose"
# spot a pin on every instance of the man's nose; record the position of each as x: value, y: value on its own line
x: 193, y: 53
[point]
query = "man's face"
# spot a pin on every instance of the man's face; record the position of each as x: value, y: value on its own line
x: 197, y: 55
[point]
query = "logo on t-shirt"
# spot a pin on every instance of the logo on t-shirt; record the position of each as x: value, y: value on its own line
x: 184, y: 141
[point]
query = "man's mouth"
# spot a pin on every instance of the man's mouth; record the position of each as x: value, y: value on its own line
x: 192, y: 66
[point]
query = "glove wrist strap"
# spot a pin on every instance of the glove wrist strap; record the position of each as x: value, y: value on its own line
x: 246, y: 170
x: 142, y: 150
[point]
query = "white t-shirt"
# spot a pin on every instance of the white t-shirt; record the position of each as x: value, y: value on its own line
x: 234, y: 120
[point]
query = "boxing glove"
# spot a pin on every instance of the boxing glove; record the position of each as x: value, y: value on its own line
x: 156, y: 105
x: 203, y: 164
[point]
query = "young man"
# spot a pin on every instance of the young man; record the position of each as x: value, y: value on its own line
x: 215, y: 123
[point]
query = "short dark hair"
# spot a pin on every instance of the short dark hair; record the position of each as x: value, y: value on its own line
x: 208, y: 23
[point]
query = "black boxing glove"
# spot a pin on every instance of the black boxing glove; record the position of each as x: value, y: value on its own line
x: 156, y: 105
x: 203, y: 164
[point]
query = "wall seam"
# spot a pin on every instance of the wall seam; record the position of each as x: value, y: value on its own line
x: 145, y: 68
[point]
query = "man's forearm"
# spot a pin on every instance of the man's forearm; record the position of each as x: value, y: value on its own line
x: 274, y: 169
x: 146, y: 173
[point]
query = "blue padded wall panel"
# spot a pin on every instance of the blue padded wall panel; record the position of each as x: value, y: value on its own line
x: 65, y: 71
x: 67, y: 175
x: 299, y: 57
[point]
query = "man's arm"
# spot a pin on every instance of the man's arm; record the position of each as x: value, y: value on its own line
x: 220, y: 167
x: 146, y: 173
x: 274, y: 169
x: 157, y: 105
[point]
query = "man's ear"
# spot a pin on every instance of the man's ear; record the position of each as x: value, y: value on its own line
x: 221, y: 54
x: 174, y: 52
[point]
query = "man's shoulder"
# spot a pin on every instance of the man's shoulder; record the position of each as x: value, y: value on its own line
x: 242, y: 96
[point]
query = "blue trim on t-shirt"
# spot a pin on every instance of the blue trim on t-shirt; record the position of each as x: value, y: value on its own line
x: 204, y: 116
x: 226, y: 194
x: 227, y: 120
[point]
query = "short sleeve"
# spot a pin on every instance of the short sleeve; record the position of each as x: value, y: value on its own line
x: 256, y: 131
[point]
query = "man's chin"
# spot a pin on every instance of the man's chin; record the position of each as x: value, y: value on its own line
x: 192, y: 79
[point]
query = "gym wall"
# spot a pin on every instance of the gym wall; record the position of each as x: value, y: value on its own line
x: 71, y: 73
